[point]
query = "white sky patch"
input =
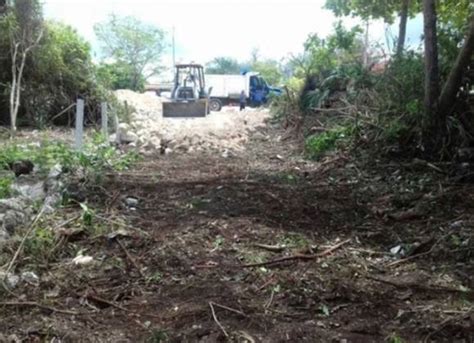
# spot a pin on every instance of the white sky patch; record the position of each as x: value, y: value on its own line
x: 205, y: 29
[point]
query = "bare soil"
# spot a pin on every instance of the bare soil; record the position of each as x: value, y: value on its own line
x: 177, y: 268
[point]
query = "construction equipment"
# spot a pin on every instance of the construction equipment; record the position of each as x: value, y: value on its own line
x: 189, y: 97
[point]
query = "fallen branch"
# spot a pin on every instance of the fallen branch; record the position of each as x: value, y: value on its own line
x: 272, y: 248
x: 217, y: 320
x: 420, y: 287
x: 23, y: 241
x: 106, y: 302
x: 130, y: 258
x: 112, y: 304
x: 302, y: 257
x: 229, y: 309
x: 44, y: 307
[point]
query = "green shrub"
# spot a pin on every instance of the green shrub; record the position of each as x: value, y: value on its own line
x: 317, y: 145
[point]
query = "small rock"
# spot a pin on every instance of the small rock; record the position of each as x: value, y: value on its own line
x: 55, y: 172
x: 321, y: 324
x: 50, y: 203
x: 128, y: 138
x: 11, y: 280
x: 4, y: 235
x: 131, y: 202
x: 398, y: 250
x: 457, y: 224
x: 22, y: 167
x: 83, y: 260
x: 226, y: 154
x: 113, y: 138
x: 12, y: 219
x: 35, y: 191
x: 31, y: 278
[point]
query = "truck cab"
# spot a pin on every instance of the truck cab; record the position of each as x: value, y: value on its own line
x: 260, y: 91
x: 226, y: 89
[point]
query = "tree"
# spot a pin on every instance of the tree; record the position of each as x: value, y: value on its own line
x: 223, y: 65
x: 431, y: 66
x: 59, y: 71
x: 402, y: 31
x: 119, y: 75
x: 128, y: 41
x: 370, y: 9
x: 269, y: 70
x: 439, y: 105
x: 25, y: 32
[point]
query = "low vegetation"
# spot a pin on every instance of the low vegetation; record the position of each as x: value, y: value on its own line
x: 90, y: 163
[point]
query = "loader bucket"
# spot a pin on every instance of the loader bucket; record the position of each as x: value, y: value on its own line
x: 181, y: 109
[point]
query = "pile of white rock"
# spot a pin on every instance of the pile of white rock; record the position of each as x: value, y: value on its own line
x: 227, y: 130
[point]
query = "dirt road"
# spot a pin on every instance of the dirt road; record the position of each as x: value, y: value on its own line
x: 261, y: 246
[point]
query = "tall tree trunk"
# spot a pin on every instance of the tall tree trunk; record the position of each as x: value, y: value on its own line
x: 452, y: 85
x: 402, y: 32
x: 433, y: 125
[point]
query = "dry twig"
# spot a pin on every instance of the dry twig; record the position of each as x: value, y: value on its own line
x: 217, y: 320
x: 23, y: 241
x: 130, y: 258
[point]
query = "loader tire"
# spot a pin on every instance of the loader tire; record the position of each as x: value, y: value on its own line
x: 215, y: 105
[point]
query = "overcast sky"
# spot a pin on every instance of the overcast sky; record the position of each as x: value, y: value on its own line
x: 209, y: 28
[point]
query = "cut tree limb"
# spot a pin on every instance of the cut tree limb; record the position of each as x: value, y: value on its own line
x: 302, y: 257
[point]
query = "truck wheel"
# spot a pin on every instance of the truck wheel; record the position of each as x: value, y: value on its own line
x: 215, y: 105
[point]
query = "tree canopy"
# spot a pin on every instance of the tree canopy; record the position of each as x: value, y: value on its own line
x: 132, y: 43
x: 223, y: 65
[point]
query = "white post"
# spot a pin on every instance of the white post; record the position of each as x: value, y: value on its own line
x: 116, y: 127
x: 79, y: 123
x: 105, y: 120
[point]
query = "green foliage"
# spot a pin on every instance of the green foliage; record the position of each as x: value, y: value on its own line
x: 119, y: 75
x: 223, y: 65
x: 95, y: 157
x: 403, y: 79
x: 87, y: 215
x: 269, y: 70
x: 158, y: 336
x: 317, y: 145
x: 129, y: 42
x: 5, y: 186
x: 394, y: 338
x: 61, y: 70
x: 40, y: 244
x: 58, y: 70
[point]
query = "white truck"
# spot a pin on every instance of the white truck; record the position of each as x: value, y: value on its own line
x: 226, y: 89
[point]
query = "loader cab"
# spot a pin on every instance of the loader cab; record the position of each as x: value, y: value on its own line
x: 189, y: 97
x: 189, y: 83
